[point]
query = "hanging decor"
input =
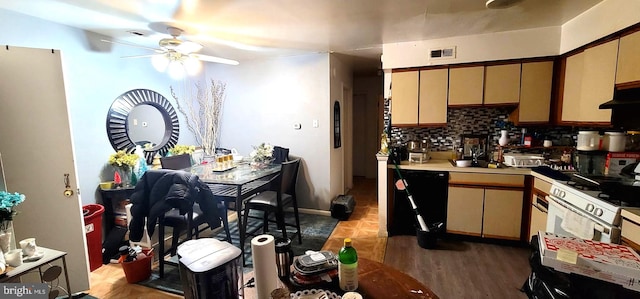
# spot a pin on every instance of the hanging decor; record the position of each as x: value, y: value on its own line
x: 202, y: 109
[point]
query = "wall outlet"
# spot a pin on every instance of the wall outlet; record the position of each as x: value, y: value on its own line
x: 315, y: 123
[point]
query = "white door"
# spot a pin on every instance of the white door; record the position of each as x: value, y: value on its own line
x: 37, y: 154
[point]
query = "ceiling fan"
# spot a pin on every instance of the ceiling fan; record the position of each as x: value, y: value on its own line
x: 177, y: 54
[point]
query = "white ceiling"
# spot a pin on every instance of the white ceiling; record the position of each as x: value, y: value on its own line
x: 250, y: 29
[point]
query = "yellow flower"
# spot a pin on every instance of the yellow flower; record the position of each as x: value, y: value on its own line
x: 180, y: 149
x: 123, y: 159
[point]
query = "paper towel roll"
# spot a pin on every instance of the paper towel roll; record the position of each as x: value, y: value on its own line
x: 263, y: 251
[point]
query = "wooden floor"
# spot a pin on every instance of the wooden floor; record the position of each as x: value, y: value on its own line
x: 454, y: 270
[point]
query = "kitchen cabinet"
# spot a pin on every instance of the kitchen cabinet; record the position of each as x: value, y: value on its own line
x: 630, y: 229
x: 433, y: 96
x: 502, y: 84
x: 486, y: 205
x: 589, y: 81
x: 539, y: 207
x: 464, y: 210
x: 628, y: 66
x: 419, y: 97
x: 535, y: 93
x: 574, y: 66
x: 404, y: 98
x: 466, y: 85
x: 490, y: 213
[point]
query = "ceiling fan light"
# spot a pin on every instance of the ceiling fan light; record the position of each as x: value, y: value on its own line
x: 160, y: 62
x: 192, y: 66
x: 176, y: 70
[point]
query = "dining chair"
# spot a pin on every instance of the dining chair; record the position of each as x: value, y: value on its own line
x: 280, y: 194
x: 280, y: 154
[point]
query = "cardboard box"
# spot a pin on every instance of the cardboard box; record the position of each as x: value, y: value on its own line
x: 614, y: 263
x: 616, y: 161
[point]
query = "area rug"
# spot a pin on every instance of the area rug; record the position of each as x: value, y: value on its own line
x: 315, y: 231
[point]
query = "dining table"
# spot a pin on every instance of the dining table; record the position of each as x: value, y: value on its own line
x: 236, y: 182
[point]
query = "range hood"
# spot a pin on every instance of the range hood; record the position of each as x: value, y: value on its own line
x: 623, y: 99
x: 625, y: 108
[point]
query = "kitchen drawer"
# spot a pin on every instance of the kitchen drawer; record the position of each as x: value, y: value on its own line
x: 486, y: 179
x: 541, y: 185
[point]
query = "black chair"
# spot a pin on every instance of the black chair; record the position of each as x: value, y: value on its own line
x: 176, y: 162
x: 191, y: 221
x: 280, y: 154
x: 281, y: 194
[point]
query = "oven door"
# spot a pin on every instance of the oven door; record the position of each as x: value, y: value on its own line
x: 558, y: 208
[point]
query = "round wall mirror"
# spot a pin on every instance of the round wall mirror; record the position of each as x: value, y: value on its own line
x: 142, y: 117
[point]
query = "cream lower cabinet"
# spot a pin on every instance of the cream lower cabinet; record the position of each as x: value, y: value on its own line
x: 502, y: 214
x: 490, y: 213
x: 464, y: 210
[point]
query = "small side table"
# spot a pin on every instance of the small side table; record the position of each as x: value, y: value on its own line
x: 49, y: 256
x: 114, y: 201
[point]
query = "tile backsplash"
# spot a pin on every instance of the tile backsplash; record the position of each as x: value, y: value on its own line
x: 478, y: 120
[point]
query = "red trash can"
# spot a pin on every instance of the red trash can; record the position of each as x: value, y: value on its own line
x: 93, y: 230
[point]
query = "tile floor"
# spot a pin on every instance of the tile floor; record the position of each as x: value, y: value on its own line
x: 109, y: 282
x: 362, y: 225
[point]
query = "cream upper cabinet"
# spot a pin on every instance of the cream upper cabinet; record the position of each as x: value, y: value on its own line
x: 502, y: 84
x: 464, y: 210
x: 535, y: 92
x: 433, y: 96
x: 598, y: 81
x: 502, y: 214
x: 404, y: 98
x: 589, y: 81
x: 572, y: 87
x: 466, y: 85
x: 628, y: 59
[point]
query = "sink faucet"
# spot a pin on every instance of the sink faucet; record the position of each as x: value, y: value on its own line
x: 475, y: 152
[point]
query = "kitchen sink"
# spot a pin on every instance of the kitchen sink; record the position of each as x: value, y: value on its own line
x: 481, y: 164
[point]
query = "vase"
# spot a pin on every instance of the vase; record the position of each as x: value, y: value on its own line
x: 504, y: 138
x: 125, y: 177
x: 5, y: 239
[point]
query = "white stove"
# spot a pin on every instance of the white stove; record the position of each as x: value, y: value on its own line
x: 588, y: 201
x: 583, y: 213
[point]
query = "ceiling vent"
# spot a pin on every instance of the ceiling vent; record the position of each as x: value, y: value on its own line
x: 443, y: 53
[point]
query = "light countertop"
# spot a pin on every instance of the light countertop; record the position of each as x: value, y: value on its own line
x: 445, y: 165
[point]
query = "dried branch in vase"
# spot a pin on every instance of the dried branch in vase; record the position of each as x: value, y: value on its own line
x: 202, y: 109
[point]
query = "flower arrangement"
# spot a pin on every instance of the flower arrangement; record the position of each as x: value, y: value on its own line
x: 123, y: 159
x: 180, y: 149
x: 8, y: 202
x: 262, y: 153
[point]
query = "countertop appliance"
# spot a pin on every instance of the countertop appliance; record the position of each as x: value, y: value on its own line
x: 589, y: 206
x: 429, y: 191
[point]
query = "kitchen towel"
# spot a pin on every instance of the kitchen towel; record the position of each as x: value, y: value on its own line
x: 263, y: 252
x: 578, y: 225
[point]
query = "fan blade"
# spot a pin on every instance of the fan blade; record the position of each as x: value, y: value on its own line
x: 214, y: 59
x: 132, y: 45
x: 188, y: 47
x: 140, y: 56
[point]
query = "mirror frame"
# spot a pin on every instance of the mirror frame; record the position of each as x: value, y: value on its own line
x: 117, y: 119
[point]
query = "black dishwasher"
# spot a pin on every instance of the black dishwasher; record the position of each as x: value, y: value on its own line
x: 429, y: 191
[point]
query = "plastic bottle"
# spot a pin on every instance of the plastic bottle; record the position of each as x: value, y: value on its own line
x: 348, y: 267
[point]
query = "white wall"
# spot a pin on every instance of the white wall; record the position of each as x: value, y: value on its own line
x: 535, y: 42
x: 603, y: 19
x: 341, y: 81
x: 365, y: 115
x: 265, y: 98
x: 94, y: 76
